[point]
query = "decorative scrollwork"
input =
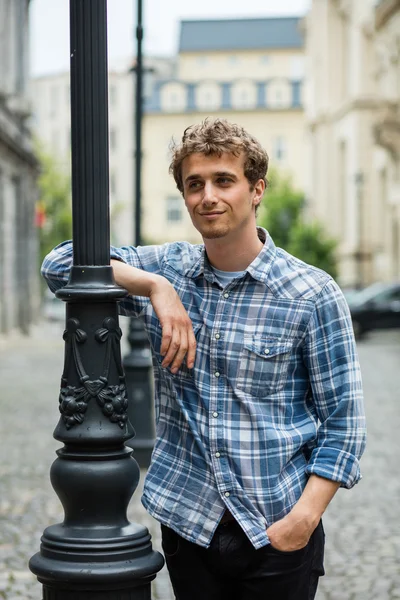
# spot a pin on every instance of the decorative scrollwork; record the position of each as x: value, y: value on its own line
x: 110, y: 326
x: 112, y: 399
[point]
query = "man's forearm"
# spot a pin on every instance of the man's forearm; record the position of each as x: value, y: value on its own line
x: 135, y: 281
x: 315, y: 498
x: 295, y: 529
x: 178, y: 341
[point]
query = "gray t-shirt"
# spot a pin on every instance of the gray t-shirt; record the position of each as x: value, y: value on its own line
x: 225, y: 277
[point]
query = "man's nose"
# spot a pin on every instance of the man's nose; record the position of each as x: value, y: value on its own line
x: 209, y: 197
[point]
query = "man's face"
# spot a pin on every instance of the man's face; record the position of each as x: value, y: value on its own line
x: 218, y: 196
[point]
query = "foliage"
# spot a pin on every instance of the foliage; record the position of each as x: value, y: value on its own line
x: 53, y: 211
x: 282, y: 214
x: 309, y: 242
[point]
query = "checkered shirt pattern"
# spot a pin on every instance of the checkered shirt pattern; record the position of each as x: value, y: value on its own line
x: 274, y: 396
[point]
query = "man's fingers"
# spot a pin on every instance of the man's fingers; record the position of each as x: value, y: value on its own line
x: 181, y: 353
x: 173, y: 348
x: 191, y: 349
x: 178, y: 342
x: 165, y: 339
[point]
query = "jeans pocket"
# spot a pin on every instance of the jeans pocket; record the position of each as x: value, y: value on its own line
x: 297, y: 552
x: 170, y: 541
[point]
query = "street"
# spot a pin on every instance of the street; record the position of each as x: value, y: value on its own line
x: 362, y: 525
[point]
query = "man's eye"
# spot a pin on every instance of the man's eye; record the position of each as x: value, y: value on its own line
x: 194, y: 185
x: 223, y: 180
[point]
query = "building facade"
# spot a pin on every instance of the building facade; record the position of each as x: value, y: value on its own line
x: 353, y: 114
x: 249, y: 71
x: 52, y: 124
x: 19, y: 268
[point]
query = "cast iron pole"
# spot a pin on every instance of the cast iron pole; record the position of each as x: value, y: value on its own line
x: 138, y: 363
x: 96, y: 553
x: 138, y: 123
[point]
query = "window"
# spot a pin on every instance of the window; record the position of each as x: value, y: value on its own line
x: 244, y: 95
x: 174, y: 209
x: 208, y: 96
x: 19, y: 35
x: 113, y: 95
x: 55, y: 141
x: 279, y: 148
x: 53, y: 100
x: 297, y: 67
x: 113, y: 184
x: 113, y: 139
x: 279, y: 94
x: 173, y: 96
x: 277, y: 100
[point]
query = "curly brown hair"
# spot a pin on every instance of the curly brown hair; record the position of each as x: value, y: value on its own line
x: 216, y: 136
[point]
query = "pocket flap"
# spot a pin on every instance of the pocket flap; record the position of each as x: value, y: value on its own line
x: 267, y: 347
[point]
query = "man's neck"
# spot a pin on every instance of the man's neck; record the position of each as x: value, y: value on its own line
x: 233, y: 254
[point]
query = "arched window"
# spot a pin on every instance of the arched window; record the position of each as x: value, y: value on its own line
x: 279, y: 94
x: 244, y: 94
x: 208, y: 96
x: 173, y: 97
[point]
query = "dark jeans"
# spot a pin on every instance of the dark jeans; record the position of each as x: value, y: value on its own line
x: 231, y: 569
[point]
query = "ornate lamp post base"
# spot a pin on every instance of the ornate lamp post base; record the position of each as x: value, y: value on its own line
x: 96, y: 553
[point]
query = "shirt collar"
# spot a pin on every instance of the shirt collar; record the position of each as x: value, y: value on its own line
x: 259, y: 268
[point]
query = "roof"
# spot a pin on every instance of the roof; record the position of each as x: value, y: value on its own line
x: 240, y: 34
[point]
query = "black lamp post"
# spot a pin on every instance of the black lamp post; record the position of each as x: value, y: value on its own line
x: 96, y: 553
x: 138, y: 362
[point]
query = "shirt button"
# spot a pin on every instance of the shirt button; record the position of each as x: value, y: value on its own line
x: 217, y: 374
x: 266, y: 351
x: 226, y: 295
x: 215, y: 415
x: 217, y: 336
x: 217, y: 454
x: 227, y: 494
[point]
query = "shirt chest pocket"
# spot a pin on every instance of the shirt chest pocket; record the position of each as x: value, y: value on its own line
x: 263, y: 365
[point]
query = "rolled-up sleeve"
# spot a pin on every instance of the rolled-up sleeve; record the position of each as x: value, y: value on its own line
x: 57, y: 265
x: 336, y: 387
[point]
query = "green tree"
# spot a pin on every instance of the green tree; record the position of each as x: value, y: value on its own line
x: 282, y: 214
x: 53, y: 212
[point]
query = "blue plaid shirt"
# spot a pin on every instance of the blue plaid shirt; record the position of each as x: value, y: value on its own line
x: 274, y: 396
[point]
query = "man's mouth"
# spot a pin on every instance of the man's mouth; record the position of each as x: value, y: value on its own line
x: 211, y: 214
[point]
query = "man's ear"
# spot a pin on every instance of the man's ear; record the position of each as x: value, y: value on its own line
x: 259, y: 189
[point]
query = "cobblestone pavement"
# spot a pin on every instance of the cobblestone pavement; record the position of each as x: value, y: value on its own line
x: 362, y: 525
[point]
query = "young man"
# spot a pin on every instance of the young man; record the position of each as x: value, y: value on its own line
x: 257, y: 384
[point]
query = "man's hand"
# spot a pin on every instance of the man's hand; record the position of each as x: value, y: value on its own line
x: 178, y: 339
x: 294, y: 531
x: 291, y: 533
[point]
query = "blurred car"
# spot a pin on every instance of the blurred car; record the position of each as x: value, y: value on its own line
x: 375, y: 307
x: 350, y: 293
